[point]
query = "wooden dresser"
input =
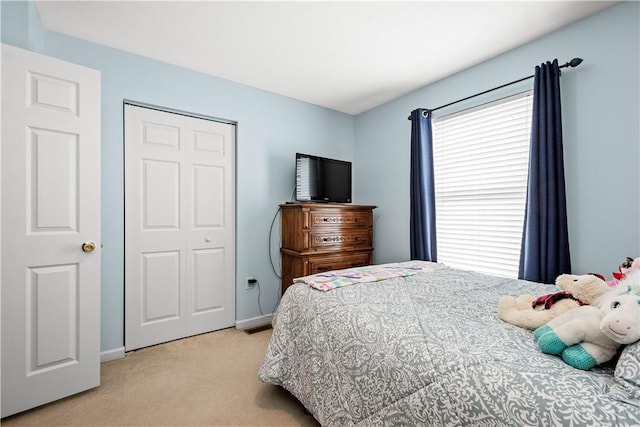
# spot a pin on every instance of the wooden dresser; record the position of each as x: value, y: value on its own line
x: 319, y: 237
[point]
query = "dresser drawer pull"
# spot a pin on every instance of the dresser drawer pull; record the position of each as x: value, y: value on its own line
x: 336, y: 219
x: 341, y: 239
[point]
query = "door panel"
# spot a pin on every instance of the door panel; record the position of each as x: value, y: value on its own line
x: 161, y: 195
x: 210, y: 239
x: 52, y: 316
x: 161, y: 286
x: 50, y: 207
x: 208, y: 265
x: 154, y: 228
x: 53, y: 166
x: 179, y: 226
x: 208, y: 186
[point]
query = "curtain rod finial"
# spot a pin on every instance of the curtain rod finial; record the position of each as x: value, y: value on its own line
x: 575, y: 62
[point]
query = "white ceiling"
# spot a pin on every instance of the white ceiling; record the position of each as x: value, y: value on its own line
x: 349, y: 56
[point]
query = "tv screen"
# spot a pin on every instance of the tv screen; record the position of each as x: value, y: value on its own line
x: 319, y: 179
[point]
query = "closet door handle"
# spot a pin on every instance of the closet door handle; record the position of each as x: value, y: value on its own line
x: 88, y: 246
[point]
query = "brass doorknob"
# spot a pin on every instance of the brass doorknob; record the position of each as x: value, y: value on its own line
x: 88, y: 246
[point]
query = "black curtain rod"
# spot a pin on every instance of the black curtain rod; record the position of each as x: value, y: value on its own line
x: 573, y: 63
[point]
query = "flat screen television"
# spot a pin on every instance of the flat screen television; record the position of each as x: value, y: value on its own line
x: 319, y: 179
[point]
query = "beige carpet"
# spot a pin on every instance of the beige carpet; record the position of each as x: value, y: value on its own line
x: 206, y: 380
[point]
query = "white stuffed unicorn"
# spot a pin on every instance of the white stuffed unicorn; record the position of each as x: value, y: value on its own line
x: 589, y: 335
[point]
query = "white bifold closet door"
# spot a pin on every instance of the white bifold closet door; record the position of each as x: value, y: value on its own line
x: 179, y: 226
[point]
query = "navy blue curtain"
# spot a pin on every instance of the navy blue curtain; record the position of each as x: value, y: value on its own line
x: 423, y: 203
x: 545, y: 239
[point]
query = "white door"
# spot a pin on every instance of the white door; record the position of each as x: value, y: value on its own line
x: 50, y: 207
x: 179, y: 226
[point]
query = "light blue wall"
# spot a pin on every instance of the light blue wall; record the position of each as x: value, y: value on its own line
x: 601, y: 110
x: 601, y: 133
x: 21, y: 25
x: 270, y: 129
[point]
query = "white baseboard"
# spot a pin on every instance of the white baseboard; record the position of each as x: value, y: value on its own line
x: 254, y: 322
x: 116, y: 353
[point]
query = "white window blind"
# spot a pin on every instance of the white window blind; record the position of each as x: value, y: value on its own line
x: 480, y: 164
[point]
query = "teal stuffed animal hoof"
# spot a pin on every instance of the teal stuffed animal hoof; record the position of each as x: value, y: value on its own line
x: 578, y: 357
x: 550, y: 343
x: 541, y: 331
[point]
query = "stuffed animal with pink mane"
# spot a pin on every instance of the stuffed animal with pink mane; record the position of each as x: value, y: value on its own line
x: 627, y: 265
x: 590, y: 335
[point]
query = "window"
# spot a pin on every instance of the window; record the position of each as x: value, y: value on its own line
x: 481, y: 160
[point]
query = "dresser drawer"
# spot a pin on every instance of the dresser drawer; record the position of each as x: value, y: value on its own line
x: 320, y: 265
x: 326, y: 218
x: 340, y: 239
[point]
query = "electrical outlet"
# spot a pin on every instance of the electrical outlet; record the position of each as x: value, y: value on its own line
x: 250, y: 282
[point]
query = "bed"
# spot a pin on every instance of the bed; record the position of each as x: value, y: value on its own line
x: 428, y: 349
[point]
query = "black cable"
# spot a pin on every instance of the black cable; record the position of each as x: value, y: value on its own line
x: 273, y: 268
x: 293, y: 193
x: 270, y: 234
x: 259, y: 305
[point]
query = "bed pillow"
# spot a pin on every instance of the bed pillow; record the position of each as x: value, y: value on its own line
x: 627, y: 375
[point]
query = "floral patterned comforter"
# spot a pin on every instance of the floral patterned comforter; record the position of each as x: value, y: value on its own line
x: 429, y: 349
